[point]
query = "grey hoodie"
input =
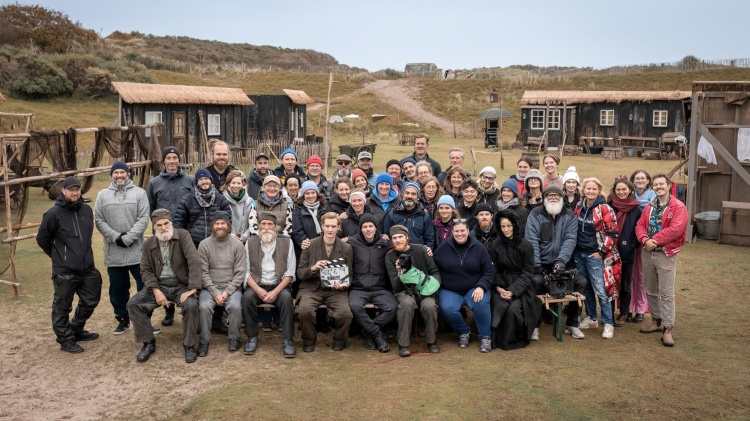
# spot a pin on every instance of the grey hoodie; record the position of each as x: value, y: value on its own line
x: 122, y: 209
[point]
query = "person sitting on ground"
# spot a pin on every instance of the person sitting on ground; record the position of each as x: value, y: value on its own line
x: 467, y: 275
x: 552, y: 231
x: 324, y: 271
x: 270, y: 273
x: 509, y: 199
x: 515, y: 307
x: 171, y: 269
x: 222, y: 272
x: 410, y: 213
x: 370, y: 283
x: 408, y: 298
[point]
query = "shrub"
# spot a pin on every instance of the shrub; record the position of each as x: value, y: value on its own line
x: 38, y: 78
x: 98, y: 82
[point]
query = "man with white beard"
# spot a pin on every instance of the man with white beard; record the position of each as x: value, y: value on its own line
x: 223, y: 270
x: 171, y: 270
x: 270, y: 272
x: 552, y: 231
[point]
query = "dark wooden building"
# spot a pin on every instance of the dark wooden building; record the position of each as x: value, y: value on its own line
x: 565, y: 117
x: 277, y: 117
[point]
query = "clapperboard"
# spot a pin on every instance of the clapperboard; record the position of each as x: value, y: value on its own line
x: 335, y: 271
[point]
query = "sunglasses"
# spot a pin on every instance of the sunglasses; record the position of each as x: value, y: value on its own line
x: 343, y: 163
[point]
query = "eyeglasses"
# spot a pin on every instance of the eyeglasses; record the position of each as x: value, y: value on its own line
x: 343, y: 163
x: 488, y: 178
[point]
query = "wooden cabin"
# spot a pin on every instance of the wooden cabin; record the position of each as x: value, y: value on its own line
x: 573, y: 117
x: 191, y: 114
x: 277, y: 117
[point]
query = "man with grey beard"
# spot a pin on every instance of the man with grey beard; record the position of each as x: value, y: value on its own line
x: 171, y: 270
x: 552, y: 231
x: 270, y: 271
x: 222, y: 271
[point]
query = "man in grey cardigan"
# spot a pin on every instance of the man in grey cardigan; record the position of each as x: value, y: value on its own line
x: 223, y: 269
x: 121, y: 216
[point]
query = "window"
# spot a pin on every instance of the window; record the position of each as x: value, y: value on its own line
x: 607, y: 118
x: 152, y: 117
x: 660, y: 118
x: 178, y: 125
x: 214, y: 124
x: 553, y: 120
x: 537, y: 119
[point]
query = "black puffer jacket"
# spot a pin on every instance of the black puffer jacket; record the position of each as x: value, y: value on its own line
x: 65, y: 236
x: 166, y: 190
x: 350, y: 225
x: 335, y: 204
x: 369, y: 263
x: 303, y: 225
x: 254, y: 184
x: 196, y: 219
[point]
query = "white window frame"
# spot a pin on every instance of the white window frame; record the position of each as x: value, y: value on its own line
x: 537, y: 119
x: 607, y: 117
x: 214, y: 125
x: 660, y: 118
x: 152, y: 117
x: 553, y: 120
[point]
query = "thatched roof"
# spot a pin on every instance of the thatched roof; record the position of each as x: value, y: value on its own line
x: 588, y: 97
x: 146, y: 93
x: 299, y: 97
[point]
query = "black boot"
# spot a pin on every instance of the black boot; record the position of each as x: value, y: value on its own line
x: 380, y: 341
x: 190, y: 354
x: 149, y: 347
x: 168, y: 315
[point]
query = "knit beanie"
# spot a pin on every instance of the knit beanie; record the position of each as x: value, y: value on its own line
x: 384, y: 178
x: 160, y: 214
x: 368, y: 217
x: 119, y: 165
x: 410, y: 185
x: 392, y: 162
x: 488, y: 169
x: 308, y: 185
x: 511, y: 185
x: 399, y: 229
x: 357, y: 192
x: 314, y: 159
x: 407, y: 159
x: 267, y: 216
x: 533, y: 173
x: 221, y: 215
x: 571, y: 174
x: 202, y: 173
x: 552, y: 189
x: 286, y: 151
x: 485, y: 207
x: 358, y: 173
x: 446, y: 200
x: 168, y: 150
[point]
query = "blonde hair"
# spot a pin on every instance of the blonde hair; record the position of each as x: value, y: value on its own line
x: 595, y: 181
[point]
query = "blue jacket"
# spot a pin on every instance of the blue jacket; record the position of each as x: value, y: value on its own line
x: 475, y: 270
x: 196, y: 219
x: 417, y: 221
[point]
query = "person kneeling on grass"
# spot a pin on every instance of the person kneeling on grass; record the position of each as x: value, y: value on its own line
x: 467, y: 275
x: 223, y: 271
x: 171, y: 270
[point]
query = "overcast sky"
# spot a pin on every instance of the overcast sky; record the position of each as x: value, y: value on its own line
x: 452, y: 34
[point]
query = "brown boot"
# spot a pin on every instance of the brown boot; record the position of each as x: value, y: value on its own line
x: 620, y: 320
x: 666, y: 337
x: 655, y: 326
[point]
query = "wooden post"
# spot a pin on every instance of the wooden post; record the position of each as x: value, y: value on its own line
x: 475, y: 128
x: 499, y: 134
x: 693, y: 175
x: 9, y: 220
x: 328, y: 117
x: 454, y: 127
x: 564, y: 129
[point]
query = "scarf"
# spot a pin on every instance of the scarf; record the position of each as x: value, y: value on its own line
x: 237, y: 198
x: 503, y: 206
x: 313, y: 208
x: 429, y: 205
x: 623, y: 206
x: 269, y: 201
x: 445, y: 228
x: 519, y: 178
x: 205, y: 198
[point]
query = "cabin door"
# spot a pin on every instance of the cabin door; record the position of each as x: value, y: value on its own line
x: 179, y: 128
x: 572, y: 133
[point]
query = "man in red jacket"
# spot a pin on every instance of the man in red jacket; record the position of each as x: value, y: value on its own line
x: 661, y: 230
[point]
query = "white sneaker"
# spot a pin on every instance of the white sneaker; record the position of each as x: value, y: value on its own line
x: 535, y: 335
x: 575, y: 332
x: 588, y: 323
x: 609, y: 332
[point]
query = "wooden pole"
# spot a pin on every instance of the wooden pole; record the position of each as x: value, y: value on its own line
x: 454, y: 127
x: 20, y: 136
x: 328, y: 117
x: 500, y: 133
x: 9, y: 221
x: 21, y: 227
x: 84, y: 172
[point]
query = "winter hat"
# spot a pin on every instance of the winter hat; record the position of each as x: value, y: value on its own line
x: 168, y: 150
x: 221, y: 215
x: 410, y: 185
x: 308, y: 185
x: 358, y: 173
x: 399, y: 229
x: 286, y: 151
x: 384, y: 178
x: 343, y: 157
x: 267, y: 216
x: 446, y: 200
x: 119, y: 165
x: 488, y: 169
x: 511, y: 185
x: 571, y: 174
x: 359, y: 193
x: 160, y: 214
x: 533, y: 173
x: 407, y: 159
x: 485, y: 207
x: 552, y: 189
x: 271, y: 178
x: 314, y: 159
x: 368, y: 217
x: 392, y: 162
x: 202, y: 173
x: 71, y: 181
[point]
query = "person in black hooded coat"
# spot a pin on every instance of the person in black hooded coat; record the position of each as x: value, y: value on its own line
x: 515, y: 307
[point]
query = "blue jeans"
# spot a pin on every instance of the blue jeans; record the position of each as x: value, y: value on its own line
x: 592, y: 269
x: 450, y: 306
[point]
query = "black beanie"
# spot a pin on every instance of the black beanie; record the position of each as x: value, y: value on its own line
x: 119, y: 165
x: 168, y: 150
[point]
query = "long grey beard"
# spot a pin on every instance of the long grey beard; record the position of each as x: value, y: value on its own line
x: 268, y: 237
x: 166, y: 236
x: 553, y: 209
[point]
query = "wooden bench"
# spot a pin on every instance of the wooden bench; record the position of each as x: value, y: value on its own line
x: 540, y: 142
x: 641, y: 143
x: 557, y: 304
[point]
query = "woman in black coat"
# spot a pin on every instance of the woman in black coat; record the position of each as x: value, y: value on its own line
x: 311, y: 205
x: 623, y: 201
x: 515, y: 307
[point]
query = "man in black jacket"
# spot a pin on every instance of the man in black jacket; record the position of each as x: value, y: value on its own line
x: 256, y: 177
x: 370, y: 283
x: 421, y: 143
x: 220, y: 166
x: 65, y: 236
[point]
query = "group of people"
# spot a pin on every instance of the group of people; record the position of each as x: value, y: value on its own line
x: 412, y: 238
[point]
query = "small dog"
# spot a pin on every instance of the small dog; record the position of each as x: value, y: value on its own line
x: 404, y: 263
x: 414, y: 279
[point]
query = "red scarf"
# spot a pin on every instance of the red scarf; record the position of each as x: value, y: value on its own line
x: 623, y: 206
